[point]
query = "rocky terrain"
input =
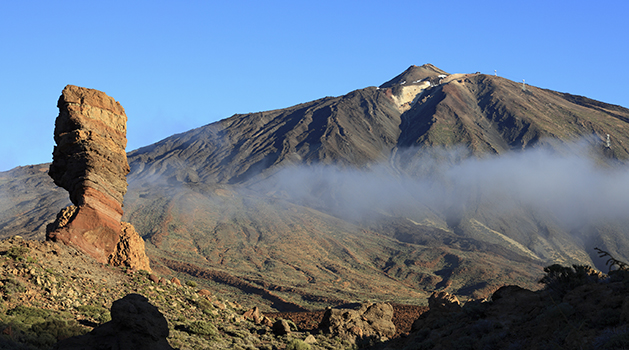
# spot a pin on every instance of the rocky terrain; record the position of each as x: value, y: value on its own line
x: 54, y: 296
x: 51, y: 292
x: 354, y: 198
x: 580, y: 308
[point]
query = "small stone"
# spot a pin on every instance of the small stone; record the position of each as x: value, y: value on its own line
x: 310, y: 339
x: 267, y: 322
x: 281, y: 327
x: 204, y: 292
x: 254, y: 315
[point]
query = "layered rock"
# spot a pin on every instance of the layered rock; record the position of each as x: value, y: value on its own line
x: 90, y: 162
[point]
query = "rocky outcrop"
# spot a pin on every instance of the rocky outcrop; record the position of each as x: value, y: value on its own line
x: 369, y: 321
x: 90, y: 162
x: 130, y: 250
x: 443, y: 301
x: 135, y: 324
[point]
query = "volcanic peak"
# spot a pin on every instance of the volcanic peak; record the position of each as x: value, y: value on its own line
x: 415, y: 74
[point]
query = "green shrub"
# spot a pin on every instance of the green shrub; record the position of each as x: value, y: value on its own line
x: 57, y: 329
x: 28, y: 315
x: 204, y: 305
x: 192, y: 284
x: 562, y: 279
x: 12, y: 286
x: 39, y: 328
x: 297, y: 344
x: 202, y: 328
x: 99, y: 314
x: 17, y: 253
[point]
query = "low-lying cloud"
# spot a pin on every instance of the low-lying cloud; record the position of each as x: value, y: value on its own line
x: 569, y: 183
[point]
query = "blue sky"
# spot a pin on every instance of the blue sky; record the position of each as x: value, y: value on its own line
x: 177, y: 65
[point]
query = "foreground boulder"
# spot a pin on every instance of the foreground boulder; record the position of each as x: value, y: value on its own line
x: 90, y: 162
x: 368, y: 322
x: 135, y: 324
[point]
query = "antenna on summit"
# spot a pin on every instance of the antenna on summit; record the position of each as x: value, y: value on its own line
x: 523, y: 85
x: 495, y: 73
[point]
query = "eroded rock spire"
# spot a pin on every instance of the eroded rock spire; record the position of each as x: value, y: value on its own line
x: 90, y: 162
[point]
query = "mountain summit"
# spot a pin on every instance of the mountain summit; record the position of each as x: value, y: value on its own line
x: 432, y: 181
x: 414, y: 75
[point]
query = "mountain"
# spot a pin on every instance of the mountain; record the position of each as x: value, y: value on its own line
x: 384, y: 193
x: 485, y: 113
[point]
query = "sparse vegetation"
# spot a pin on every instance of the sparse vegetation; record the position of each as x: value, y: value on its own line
x: 52, y: 299
x: 98, y: 314
x: 297, y: 344
x: 562, y: 279
x: 37, y: 328
x: 192, y: 284
x: 202, y: 328
x: 17, y: 253
x: 611, y: 261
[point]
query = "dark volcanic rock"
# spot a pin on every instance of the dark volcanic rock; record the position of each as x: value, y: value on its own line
x: 281, y: 327
x: 90, y: 162
x: 443, y: 301
x: 582, y: 314
x: 135, y: 324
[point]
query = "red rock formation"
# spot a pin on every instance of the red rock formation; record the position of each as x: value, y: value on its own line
x: 91, y: 163
x: 129, y: 250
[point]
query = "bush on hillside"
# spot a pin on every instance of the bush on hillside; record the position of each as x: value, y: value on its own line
x: 297, y: 344
x: 611, y: 262
x: 562, y: 279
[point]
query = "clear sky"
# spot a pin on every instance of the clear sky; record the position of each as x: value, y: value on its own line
x: 178, y: 65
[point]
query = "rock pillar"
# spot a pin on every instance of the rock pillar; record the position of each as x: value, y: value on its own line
x: 90, y: 162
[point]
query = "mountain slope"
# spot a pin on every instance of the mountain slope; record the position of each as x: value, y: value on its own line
x: 493, y: 114
x: 28, y: 200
